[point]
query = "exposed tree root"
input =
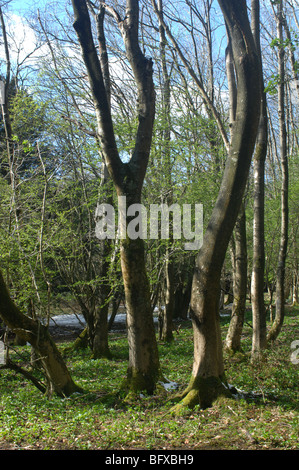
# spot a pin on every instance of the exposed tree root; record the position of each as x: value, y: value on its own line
x: 201, y: 391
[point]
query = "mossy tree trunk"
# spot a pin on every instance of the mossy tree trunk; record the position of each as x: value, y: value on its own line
x: 59, y: 380
x: 208, y: 375
x: 144, y: 368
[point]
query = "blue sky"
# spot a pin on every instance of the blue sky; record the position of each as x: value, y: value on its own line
x: 24, y: 5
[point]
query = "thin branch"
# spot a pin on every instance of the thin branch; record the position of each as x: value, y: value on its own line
x: 208, y: 102
x: 13, y: 366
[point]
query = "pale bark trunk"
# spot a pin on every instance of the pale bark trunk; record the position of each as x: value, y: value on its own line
x: 167, y: 313
x: 100, y: 344
x: 208, y: 378
x: 167, y: 328
x: 6, y: 165
x: 280, y: 276
x: 233, y: 338
x: 259, y: 340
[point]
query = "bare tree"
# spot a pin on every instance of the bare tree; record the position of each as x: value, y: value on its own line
x: 280, y: 276
x: 208, y: 376
x: 144, y: 368
x: 258, y: 265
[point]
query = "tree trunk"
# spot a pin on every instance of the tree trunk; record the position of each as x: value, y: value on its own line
x: 100, y: 344
x: 5, y: 166
x: 143, y: 368
x: 99, y: 339
x: 167, y: 325
x: 208, y: 377
x: 259, y: 340
x: 233, y: 338
x: 167, y: 313
x: 58, y: 377
x: 295, y: 297
x: 280, y: 275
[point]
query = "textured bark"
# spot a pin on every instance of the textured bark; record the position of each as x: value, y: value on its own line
x: 100, y: 344
x: 58, y: 377
x: 5, y: 166
x: 280, y: 275
x: 143, y: 368
x: 167, y: 329
x: 208, y: 377
x: 259, y: 338
x: 233, y: 338
x: 167, y: 313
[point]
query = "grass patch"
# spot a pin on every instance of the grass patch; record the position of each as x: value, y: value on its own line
x: 265, y: 416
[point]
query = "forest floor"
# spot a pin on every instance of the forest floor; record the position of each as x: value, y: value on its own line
x: 263, y: 416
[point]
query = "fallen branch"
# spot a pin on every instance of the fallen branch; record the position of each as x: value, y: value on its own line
x: 13, y: 366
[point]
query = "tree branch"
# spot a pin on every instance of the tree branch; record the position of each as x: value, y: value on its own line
x: 208, y: 102
x: 11, y: 365
x: 82, y: 26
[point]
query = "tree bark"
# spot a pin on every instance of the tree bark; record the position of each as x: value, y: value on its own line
x: 58, y: 377
x: 259, y: 340
x: 5, y: 166
x: 280, y: 275
x: 167, y: 313
x: 208, y: 375
x: 233, y: 338
x: 143, y: 367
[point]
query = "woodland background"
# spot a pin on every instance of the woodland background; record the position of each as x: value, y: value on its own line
x: 52, y: 180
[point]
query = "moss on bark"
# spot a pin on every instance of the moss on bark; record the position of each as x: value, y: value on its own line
x: 202, y: 391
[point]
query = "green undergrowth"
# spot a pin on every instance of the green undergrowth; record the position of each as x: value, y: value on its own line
x: 263, y: 415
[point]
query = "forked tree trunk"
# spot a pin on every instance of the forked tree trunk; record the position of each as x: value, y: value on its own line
x: 208, y: 375
x: 58, y: 377
x: 143, y: 368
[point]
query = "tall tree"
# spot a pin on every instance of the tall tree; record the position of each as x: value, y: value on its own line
x: 258, y: 264
x: 6, y: 164
x: 239, y: 239
x: 208, y: 375
x: 144, y: 367
x: 166, y: 333
x: 281, y: 265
